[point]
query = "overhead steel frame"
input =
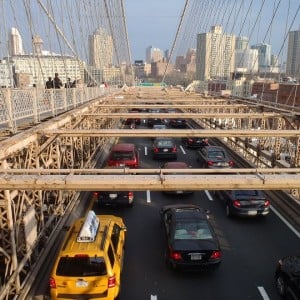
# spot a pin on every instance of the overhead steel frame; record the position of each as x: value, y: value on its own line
x: 47, y: 148
x: 42, y: 207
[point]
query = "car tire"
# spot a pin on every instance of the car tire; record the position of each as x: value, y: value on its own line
x: 281, y: 285
x: 228, y: 211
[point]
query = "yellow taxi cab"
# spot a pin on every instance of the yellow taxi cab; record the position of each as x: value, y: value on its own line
x: 90, y: 261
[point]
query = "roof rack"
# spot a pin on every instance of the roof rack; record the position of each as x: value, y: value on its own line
x: 89, y: 228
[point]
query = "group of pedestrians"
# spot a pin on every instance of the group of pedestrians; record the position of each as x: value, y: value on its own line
x: 56, y: 83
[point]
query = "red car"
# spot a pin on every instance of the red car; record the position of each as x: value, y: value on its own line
x: 123, y: 155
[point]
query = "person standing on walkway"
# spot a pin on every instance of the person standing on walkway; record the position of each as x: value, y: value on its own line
x: 49, y: 83
x: 57, y: 82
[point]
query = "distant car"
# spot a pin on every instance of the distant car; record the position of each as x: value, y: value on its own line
x: 195, y: 142
x: 178, y: 123
x: 113, y: 198
x: 245, y: 203
x: 191, y: 241
x: 214, y: 157
x: 287, y: 277
x: 136, y: 121
x: 164, y: 148
x: 123, y: 155
x: 176, y: 165
x: 155, y: 121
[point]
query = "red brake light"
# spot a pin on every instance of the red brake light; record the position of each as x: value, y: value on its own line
x: 174, y: 149
x: 267, y: 203
x: 190, y: 140
x: 231, y: 163
x: 95, y: 194
x: 210, y: 163
x: 175, y: 255
x: 111, y: 281
x: 52, y: 283
x: 155, y: 149
x: 130, y: 195
x: 216, y: 254
x: 236, y: 203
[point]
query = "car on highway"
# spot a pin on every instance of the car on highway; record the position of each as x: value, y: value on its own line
x: 195, y: 142
x: 151, y: 122
x: 135, y: 121
x: 244, y: 203
x: 164, y: 148
x: 214, y: 157
x: 179, y: 165
x: 123, y: 155
x: 287, y: 277
x: 191, y: 242
x: 178, y: 123
x: 113, y: 198
x: 90, y: 261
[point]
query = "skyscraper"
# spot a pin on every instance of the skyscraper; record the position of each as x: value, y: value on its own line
x: 214, y: 54
x: 15, y: 45
x: 153, y: 55
x: 293, y: 55
x: 101, y: 49
x: 264, y: 55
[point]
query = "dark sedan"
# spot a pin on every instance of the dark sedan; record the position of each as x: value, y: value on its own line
x: 113, y: 198
x: 164, y: 148
x: 191, y: 240
x: 178, y: 123
x: 245, y: 203
x: 214, y: 157
x: 287, y: 277
x: 195, y: 142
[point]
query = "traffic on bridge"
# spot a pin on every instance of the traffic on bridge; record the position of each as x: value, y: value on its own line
x: 159, y: 179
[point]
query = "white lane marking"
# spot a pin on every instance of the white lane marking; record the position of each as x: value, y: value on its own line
x: 148, y: 196
x: 182, y: 149
x: 153, y: 297
x: 210, y: 198
x: 263, y: 293
x: 285, y: 222
x: 146, y: 151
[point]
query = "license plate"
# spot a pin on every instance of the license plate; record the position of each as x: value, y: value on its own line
x: 252, y: 212
x: 165, y: 150
x: 196, y: 256
x: 113, y: 196
x: 179, y: 192
x: 82, y: 284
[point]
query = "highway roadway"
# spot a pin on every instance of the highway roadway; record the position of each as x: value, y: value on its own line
x: 251, y: 247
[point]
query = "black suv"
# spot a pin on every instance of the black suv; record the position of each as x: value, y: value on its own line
x: 287, y: 277
x: 113, y: 198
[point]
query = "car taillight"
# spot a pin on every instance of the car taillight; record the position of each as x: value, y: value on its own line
x: 236, y: 203
x: 95, y: 194
x: 267, y: 203
x: 130, y: 195
x: 111, y: 281
x: 210, y: 163
x: 155, y: 150
x: 231, y: 163
x: 52, y: 283
x: 174, y: 149
x: 175, y: 255
x: 190, y: 140
x: 216, y: 254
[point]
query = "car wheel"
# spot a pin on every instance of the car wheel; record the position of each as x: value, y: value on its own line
x: 228, y: 212
x: 280, y: 285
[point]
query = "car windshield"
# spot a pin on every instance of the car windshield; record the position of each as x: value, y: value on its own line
x: 216, y: 154
x: 81, y: 266
x: 121, y: 155
x: 192, y: 231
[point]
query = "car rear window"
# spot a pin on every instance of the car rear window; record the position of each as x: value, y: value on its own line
x: 81, y: 266
x: 122, y: 155
x: 246, y: 193
x: 164, y: 143
x: 212, y: 154
x: 192, y: 231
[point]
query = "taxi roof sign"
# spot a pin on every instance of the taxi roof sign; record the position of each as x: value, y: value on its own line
x: 89, y: 228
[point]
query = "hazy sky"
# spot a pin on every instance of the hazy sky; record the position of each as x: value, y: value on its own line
x: 152, y: 23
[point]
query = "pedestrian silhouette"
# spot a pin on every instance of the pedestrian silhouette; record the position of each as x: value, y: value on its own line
x: 49, y: 83
x: 57, y: 82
